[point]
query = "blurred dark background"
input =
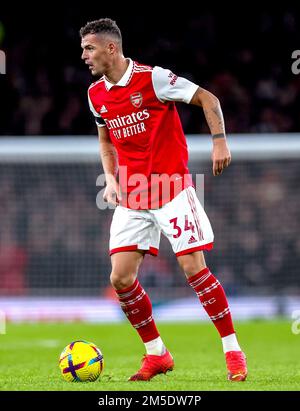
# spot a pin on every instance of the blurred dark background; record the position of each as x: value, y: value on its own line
x: 53, y: 239
x: 242, y: 55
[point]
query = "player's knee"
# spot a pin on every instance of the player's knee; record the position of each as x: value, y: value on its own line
x: 119, y: 281
x: 189, y: 269
x: 191, y: 265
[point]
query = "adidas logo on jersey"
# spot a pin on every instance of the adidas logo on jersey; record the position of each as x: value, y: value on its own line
x: 103, y: 109
x: 192, y: 240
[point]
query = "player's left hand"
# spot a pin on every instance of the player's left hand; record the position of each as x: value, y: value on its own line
x: 221, y: 156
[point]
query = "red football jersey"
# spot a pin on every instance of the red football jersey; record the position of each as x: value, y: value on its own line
x: 144, y: 126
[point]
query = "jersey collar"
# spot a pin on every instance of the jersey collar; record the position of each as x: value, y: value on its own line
x: 124, y: 80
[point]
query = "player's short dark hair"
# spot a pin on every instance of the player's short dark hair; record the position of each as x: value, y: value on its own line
x: 102, y: 26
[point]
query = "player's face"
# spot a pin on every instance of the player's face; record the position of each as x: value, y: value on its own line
x: 96, y: 54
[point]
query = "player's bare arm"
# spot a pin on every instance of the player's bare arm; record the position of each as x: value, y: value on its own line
x: 221, y: 156
x: 109, y: 160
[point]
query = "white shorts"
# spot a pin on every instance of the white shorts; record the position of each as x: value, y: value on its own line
x: 183, y: 221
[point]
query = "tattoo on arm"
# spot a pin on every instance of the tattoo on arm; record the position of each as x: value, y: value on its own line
x: 108, y: 153
x: 218, y: 112
x: 110, y: 161
x: 215, y: 121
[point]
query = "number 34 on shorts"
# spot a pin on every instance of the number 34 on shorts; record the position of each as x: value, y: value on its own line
x: 183, y: 221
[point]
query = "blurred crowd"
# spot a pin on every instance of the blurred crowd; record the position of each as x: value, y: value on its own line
x: 54, y: 240
x: 245, y: 61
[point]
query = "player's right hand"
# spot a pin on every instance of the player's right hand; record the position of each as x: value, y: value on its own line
x: 112, y: 193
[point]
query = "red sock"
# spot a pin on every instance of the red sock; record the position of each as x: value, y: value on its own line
x: 212, y: 297
x: 137, y: 306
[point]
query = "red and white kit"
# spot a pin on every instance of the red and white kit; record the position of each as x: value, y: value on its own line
x: 144, y: 126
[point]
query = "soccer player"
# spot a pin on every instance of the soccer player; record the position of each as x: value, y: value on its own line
x: 141, y: 137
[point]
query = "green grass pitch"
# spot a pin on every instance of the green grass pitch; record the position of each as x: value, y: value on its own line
x: 29, y: 357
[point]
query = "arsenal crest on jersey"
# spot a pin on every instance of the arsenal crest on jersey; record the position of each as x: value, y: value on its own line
x: 136, y: 99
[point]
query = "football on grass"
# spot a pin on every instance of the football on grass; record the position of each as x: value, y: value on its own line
x: 81, y: 361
